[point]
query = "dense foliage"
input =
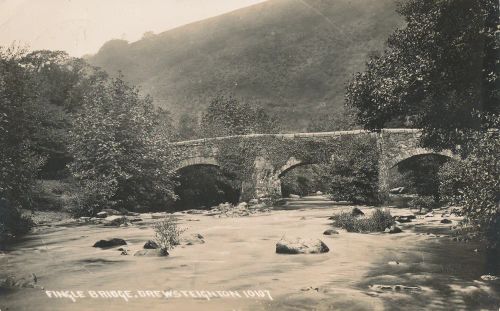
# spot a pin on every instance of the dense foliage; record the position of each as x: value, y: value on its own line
x: 435, y: 72
x: 121, y: 155
x: 354, y: 171
x: 474, y: 183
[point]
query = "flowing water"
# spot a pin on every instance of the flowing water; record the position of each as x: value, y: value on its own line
x: 420, y: 268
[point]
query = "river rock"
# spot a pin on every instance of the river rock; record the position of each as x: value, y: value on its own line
x: 330, y: 232
x: 111, y: 212
x: 446, y: 221
x: 404, y: 218
x: 151, y: 245
x: 301, y: 246
x: 397, y: 190
x: 109, y: 243
x: 159, y: 252
x: 115, y: 220
x: 393, y: 229
x: 159, y: 215
x: 102, y: 215
x: 489, y: 277
x: 294, y: 196
x: 357, y: 212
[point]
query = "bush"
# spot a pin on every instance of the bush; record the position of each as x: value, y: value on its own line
x: 12, y: 222
x: 423, y: 202
x: 167, y: 233
x: 378, y: 221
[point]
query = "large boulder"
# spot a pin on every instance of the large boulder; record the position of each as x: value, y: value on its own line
x: 301, y: 246
x: 109, y: 243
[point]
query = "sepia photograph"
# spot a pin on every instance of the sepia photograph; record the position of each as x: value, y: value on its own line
x: 247, y: 155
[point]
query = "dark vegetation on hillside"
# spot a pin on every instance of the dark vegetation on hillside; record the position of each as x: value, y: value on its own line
x: 291, y: 57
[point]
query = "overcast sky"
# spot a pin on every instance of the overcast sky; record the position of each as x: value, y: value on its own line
x: 82, y: 26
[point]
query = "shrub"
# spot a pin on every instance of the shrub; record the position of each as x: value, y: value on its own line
x: 167, y: 233
x: 378, y: 221
x: 12, y: 222
x: 423, y: 202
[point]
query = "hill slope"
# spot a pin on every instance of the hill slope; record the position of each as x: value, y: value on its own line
x: 291, y: 56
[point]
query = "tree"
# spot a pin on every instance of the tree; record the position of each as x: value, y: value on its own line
x: 20, y: 121
x: 434, y: 73
x: 121, y: 156
x: 227, y: 116
x: 59, y: 82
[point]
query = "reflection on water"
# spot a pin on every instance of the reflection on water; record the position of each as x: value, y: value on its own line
x: 448, y: 274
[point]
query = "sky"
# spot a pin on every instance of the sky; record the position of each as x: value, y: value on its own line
x: 81, y: 27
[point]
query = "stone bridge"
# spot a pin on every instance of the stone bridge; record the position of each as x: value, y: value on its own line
x: 394, y: 146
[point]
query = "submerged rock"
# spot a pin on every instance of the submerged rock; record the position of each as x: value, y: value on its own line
x: 330, y: 232
x: 109, y: 243
x: 301, y: 246
x: 29, y: 281
x: 446, y: 221
x: 379, y: 287
x: 393, y: 229
x: 151, y: 245
x: 159, y: 252
x: 193, y: 239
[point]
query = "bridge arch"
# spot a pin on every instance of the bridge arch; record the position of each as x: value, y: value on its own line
x: 196, y: 161
x: 289, y: 165
x: 416, y: 152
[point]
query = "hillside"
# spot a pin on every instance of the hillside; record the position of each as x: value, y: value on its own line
x: 293, y: 57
